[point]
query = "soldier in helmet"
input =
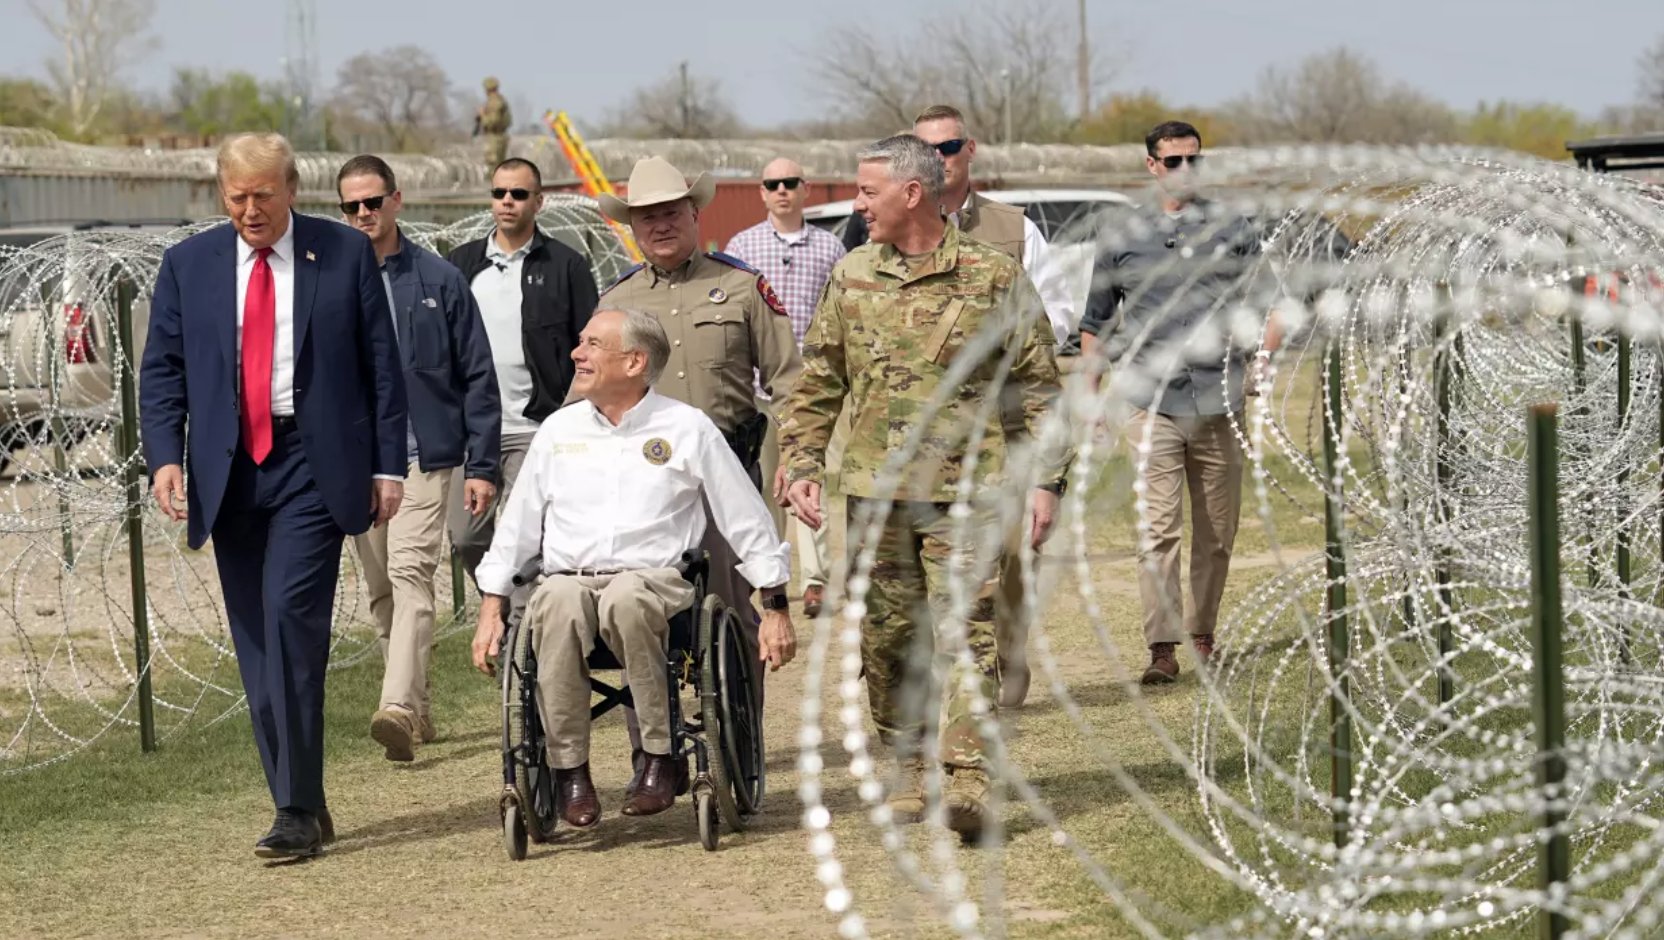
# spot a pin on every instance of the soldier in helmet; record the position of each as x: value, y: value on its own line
x: 493, y: 120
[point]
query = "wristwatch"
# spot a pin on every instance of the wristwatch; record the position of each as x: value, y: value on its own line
x: 1056, y: 487
x: 776, y: 601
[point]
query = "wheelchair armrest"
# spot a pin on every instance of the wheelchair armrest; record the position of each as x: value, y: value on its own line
x: 529, y: 571
x: 693, y: 564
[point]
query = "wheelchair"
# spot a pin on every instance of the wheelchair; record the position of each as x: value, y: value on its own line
x: 723, y: 733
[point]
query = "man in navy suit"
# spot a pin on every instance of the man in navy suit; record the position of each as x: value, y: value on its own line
x: 272, y: 336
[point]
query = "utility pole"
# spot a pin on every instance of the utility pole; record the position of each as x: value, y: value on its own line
x: 1083, y: 67
x: 1005, y: 78
x: 687, y: 106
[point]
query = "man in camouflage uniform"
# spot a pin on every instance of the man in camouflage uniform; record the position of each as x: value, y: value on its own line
x: 493, y: 120
x: 897, y: 315
x: 725, y: 326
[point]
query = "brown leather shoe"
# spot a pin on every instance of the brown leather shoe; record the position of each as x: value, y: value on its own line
x: 1203, y: 644
x: 575, y: 797
x: 395, y: 729
x: 638, y: 763
x: 1164, y: 665
x: 813, y: 596
x: 657, y: 792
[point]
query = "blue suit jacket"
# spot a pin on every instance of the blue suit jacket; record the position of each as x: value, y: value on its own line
x: 348, y: 386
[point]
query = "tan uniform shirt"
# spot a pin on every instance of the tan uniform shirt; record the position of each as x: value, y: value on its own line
x: 723, y: 321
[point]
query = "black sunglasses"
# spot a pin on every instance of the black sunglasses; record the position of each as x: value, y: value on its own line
x: 520, y: 195
x: 948, y: 148
x: 1172, y: 162
x: 790, y: 182
x: 373, y: 204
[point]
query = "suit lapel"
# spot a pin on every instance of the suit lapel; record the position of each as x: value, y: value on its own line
x: 223, y: 297
x: 306, y: 281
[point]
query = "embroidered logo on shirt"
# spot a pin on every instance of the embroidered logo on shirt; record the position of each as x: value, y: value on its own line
x: 657, y: 451
x: 717, y: 295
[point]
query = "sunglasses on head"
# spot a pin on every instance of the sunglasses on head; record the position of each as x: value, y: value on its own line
x: 519, y: 195
x: 350, y: 207
x: 1173, y: 161
x: 790, y: 182
x: 948, y: 148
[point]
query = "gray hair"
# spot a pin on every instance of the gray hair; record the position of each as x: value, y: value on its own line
x: 642, y: 331
x: 910, y: 159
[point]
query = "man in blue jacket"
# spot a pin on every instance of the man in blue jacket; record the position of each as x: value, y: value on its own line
x: 272, y: 336
x: 455, y: 422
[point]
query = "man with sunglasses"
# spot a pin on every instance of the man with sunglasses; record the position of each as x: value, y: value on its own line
x: 535, y: 295
x: 1161, y: 291
x: 455, y: 421
x: 797, y: 258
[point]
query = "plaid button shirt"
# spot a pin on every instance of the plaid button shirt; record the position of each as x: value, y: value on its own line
x: 796, y: 266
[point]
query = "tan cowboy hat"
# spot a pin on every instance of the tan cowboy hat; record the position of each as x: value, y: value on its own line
x: 654, y: 182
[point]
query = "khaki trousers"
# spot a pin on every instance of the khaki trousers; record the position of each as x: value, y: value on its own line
x: 472, y: 534
x: 631, y: 613
x: 1203, y: 455
x: 399, y: 560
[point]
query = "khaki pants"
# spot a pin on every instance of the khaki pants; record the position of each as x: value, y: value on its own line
x: 472, y: 534
x: 1203, y: 454
x: 631, y: 613
x: 399, y: 561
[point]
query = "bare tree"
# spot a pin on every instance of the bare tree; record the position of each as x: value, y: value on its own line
x: 402, y: 92
x: 1652, y: 76
x: 1011, y: 63
x: 1339, y: 96
x: 96, y: 38
x: 682, y: 105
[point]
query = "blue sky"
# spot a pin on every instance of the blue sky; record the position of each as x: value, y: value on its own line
x: 585, y: 57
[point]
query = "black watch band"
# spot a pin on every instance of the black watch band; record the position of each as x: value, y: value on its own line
x: 1057, y: 486
x: 776, y: 601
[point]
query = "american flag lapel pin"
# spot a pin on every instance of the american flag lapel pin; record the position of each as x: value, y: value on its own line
x: 311, y: 257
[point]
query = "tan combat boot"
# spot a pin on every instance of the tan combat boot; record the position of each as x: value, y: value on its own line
x: 907, y: 801
x: 966, y: 798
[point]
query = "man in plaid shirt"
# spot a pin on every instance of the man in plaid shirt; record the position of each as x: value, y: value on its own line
x: 797, y: 259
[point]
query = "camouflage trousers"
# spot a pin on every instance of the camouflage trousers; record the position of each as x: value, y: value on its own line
x: 496, y: 150
x: 905, y: 653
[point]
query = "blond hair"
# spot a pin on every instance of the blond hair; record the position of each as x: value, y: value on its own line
x: 257, y: 153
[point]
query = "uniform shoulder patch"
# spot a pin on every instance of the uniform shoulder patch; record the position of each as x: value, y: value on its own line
x: 731, y: 261
x: 625, y: 276
x: 770, y: 297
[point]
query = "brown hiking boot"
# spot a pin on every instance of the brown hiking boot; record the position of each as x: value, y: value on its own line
x: 907, y: 802
x: 813, y: 596
x: 1203, y: 644
x: 395, y: 729
x: 426, y: 733
x: 1164, y: 665
x: 966, y: 799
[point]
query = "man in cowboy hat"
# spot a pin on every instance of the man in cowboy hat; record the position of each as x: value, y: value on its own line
x: 728, y: 334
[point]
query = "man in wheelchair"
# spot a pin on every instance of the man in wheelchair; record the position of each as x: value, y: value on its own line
x: 610, y: 498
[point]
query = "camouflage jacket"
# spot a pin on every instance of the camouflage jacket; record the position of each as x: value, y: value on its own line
x: 886, y: 338
x: 494, y: 114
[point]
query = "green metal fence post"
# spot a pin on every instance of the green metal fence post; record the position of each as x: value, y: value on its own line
x: 1449, y: 354
x: 1554, y: 852
x: 1340, y: 718
x: 459, y: 589
x: 1623, y: 559
x: 133, y: 470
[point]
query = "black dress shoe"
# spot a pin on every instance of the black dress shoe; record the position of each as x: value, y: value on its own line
x: 575, y: 797
x: 294, y: 834
x: 326, y: 826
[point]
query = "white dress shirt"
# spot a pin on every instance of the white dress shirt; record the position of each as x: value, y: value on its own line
x: 592, y: 495
x: 282, y: 263
x: 497, y: 290
x: 1051, y: 281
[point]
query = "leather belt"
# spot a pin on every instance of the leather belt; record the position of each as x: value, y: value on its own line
x: 591, y: 572
x: 282, y: 424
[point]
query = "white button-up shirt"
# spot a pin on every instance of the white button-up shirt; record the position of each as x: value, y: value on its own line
x: 282, y: 263
x: 592, y: 495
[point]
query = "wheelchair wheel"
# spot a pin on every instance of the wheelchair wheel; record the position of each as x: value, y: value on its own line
x: 705, y: 809
x: 727, y: 708
x: 534, y: 793
x: 514, y: 831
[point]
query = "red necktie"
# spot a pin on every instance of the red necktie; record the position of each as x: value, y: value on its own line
x: 259, y: 332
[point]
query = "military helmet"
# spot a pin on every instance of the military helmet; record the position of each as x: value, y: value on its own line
x: 491, y: 84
